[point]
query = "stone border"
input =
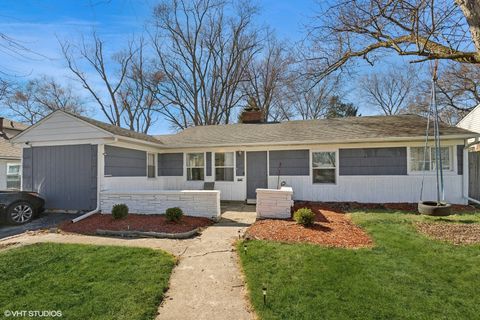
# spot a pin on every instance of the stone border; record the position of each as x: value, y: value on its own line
x: 147, y: 234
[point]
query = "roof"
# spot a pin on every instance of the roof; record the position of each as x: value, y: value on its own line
x: 337, y: 130
x: 13, y: 125
x: 116, y: 130
x: 321, y: 131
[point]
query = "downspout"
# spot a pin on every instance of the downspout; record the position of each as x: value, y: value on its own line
x: 466, y: 169
x: 100, y: 152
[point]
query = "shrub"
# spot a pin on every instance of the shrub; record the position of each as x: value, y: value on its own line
x: 119, y: 211
x: 304, y: 216
x: 173, y: 214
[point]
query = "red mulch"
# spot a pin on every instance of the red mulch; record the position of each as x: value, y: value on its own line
x: 332, y: 228
x: 355, y: 206
x: 134, y: 222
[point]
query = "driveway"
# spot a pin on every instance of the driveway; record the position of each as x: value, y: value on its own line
x: 45, y: 221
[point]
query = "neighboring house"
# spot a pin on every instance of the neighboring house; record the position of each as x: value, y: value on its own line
x: 472, y: 122
x: 10, y: 155
x: 71, y: 160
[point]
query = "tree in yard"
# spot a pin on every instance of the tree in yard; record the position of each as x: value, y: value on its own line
x: 459, y: 86
x: 424, y: 29
x: 126, y: 80
x: 309, y: 99
x: 203, y: 49
x: 267, y: 77
x: 390, y: 91
x: 338, y: 109
x: 35, y: 99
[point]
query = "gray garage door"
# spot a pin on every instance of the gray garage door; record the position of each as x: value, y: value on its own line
x: 65, y: 176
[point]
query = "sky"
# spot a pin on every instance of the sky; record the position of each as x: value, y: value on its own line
x: 39, y: 25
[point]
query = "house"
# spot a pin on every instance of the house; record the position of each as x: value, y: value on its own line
x: 78, y: 163
x: 472, y: 122
x: 10, y: 155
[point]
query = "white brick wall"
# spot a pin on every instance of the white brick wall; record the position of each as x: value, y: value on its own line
x: 197, y: 203
x: 274, y: 203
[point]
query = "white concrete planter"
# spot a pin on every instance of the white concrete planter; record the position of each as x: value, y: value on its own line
x: 197, y: 203
x: 274, y: 203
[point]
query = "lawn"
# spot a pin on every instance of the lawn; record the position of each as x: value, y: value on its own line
x: 84, y: 281
x: 405, y: 276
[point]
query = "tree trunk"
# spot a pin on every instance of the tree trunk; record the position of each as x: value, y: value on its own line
x: 471, y: 10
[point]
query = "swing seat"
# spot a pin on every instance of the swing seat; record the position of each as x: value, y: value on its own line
x: 432, y: 208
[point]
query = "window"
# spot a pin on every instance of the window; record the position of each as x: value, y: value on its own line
x: 13, y: 176
x: 417, y: 158
x: 323, y: 167
x: 224, y: 166
x: 195, y: 166
x: 151, y: 165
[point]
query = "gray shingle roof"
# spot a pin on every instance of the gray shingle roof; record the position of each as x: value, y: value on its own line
x: 338, y: 130
x: 353, y: 129
x: 13, y: 125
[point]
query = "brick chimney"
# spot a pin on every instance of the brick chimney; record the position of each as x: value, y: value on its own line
x: 252, y: 113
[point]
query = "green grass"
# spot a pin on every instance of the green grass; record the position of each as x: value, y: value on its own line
x: 84, y: 281
x: 405, y: 276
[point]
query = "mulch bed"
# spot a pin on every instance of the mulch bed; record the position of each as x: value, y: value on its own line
x: 134, y: 222
x: 357, y: 206
x: 456, y: 233
x: 332, y: 228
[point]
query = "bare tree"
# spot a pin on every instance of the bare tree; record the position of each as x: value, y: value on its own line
x: 307, y: 99
x: 459, y: 86
x: 123, y: 96
x: 426, y: 29
x: 390, y: 91
x: 267, y: 77
x: 5, y: 86
x: 204, y: 48
x: 35, y: 99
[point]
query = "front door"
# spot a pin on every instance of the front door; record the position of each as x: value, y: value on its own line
x: 256, y: 173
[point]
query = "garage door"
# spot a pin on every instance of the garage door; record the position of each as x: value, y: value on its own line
x: 65, y: 176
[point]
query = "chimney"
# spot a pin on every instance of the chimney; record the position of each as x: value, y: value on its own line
x: 252, y: 113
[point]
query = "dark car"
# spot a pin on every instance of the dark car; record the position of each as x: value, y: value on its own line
x: 19, y: 207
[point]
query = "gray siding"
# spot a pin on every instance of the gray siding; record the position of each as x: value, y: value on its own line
x: 27, y: 170
x: 289, y: 163
x: 460, y: 159
x: 240, y: 161
x: 123, y: 162
x: 170, y: 164
x: 65, y: 176
x: 373, y: 161
x: 209, y: 165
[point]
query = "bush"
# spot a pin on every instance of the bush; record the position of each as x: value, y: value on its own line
x: 304, y: 216
x: 120, y: 211
x: 174, y: 214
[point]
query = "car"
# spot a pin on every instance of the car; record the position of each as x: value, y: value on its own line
x: 19, y: 207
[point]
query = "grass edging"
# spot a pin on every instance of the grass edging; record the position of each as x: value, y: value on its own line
x: 148, y: 234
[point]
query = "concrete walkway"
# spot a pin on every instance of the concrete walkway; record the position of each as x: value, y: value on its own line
x: 206, y: 284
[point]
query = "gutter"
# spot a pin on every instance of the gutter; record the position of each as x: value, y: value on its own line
x: 100, y: 151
